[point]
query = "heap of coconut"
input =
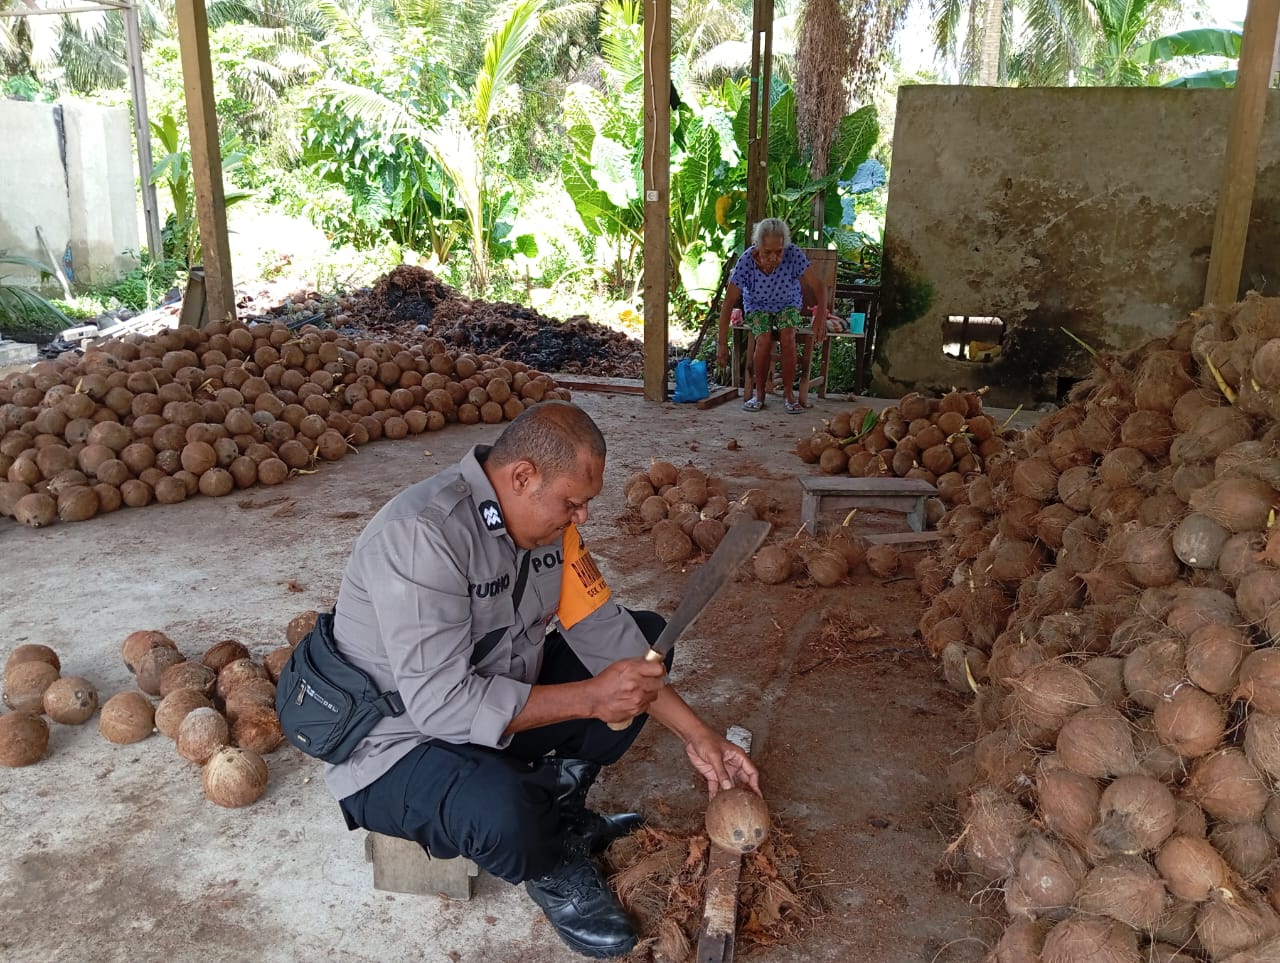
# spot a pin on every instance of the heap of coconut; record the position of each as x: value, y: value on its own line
x: 945, y: 441
x: 1109, y: 589
x: 34, y: 687
x: 161, y: 418
x: 219, y: 710
x: 687, y: 512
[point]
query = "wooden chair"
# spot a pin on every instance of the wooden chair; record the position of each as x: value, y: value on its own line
x: 861, y: 299
x: 824, y: 263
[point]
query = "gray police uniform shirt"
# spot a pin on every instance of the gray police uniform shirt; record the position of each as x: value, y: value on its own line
x: 433, y: 573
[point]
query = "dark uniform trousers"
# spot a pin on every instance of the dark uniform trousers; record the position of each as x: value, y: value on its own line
x: 497, y: 807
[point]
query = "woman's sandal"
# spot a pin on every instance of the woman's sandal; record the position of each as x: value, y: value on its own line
x: 752, y: 404
x: 794, y: 407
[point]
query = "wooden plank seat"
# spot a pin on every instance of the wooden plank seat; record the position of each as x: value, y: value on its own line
x: 402, y: 866
x: 892, y: 494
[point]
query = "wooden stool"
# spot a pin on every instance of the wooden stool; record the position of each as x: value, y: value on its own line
x: 402, y: 866
x: 895, y: 494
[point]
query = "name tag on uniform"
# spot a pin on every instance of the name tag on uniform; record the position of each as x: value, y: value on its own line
x: 582, y: 587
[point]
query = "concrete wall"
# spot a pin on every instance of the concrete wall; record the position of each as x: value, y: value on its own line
x: 68, y: 168
x: 1090, y: 209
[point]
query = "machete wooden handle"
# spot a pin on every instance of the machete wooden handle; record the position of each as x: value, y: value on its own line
x: 650, y: 656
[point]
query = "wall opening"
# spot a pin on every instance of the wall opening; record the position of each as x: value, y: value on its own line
x: 971, y: 337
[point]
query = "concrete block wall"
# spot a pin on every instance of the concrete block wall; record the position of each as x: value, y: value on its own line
x: 1090, y: 209
x: 69, y: 169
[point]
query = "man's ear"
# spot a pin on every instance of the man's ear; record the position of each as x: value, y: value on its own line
x: 524, y: 475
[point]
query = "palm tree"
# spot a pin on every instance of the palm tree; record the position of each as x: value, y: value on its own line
x: 1057, y: 43
x: 458, y: 140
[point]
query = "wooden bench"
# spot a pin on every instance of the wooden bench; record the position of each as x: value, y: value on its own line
x: 402, y: 866
x: 893, y: 494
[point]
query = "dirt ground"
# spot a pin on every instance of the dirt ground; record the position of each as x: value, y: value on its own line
x: 114, y: 854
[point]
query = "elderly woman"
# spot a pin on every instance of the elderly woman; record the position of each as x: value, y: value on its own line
x: 773, y: 281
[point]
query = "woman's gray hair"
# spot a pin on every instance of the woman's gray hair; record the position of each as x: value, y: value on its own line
x: 771, y: 227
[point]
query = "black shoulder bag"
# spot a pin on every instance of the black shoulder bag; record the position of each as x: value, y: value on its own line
x: 327, y: 705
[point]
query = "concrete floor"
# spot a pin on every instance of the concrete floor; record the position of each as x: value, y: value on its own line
x: 112, y: 852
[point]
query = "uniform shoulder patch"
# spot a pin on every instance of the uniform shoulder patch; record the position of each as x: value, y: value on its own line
x: 491, y: 515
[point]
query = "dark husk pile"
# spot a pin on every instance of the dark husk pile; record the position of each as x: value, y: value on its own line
x: 409, y: 296
x: 1185, y: 424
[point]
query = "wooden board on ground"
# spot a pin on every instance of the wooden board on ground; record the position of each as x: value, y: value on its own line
x: 718, y: 396
x: 904, y: 540
x: 720, y: 905
x: 626, y: 386
x: 633, y: 386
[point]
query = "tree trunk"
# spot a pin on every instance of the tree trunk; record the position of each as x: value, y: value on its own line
x: 992, y: 27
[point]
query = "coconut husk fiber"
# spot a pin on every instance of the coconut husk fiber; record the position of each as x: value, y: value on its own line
x: 660, y: 879
x: 1149, y: 632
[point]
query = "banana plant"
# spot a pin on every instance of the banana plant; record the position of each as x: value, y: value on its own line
x: 1200, y: 42
x: 453, y: 137
x: 182, y: 228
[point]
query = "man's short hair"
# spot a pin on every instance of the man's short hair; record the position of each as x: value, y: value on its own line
x: 552, y: 435
x: 771, y: 227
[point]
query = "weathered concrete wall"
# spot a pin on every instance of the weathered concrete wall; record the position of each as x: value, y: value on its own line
x: 1089, y: 209
x: 68, y: 169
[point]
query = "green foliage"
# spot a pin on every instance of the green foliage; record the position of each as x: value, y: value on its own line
x: 601, y: 166
x: 145, y: 286
x: 22, y: 307
x: 181, y: 232
x: 411, y: 140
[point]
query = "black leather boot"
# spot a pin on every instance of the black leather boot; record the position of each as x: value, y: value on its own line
x: 583, y: 910
x: 587, y: 831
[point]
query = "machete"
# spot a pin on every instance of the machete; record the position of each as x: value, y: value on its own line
x: 738, y: 545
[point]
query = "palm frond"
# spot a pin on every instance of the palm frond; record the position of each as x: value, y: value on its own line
x: 502, y: 52
x: 381, y: 114
x: 1201, y: 42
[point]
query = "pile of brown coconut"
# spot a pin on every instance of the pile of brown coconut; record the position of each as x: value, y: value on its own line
x: 945, y: 441
x: 1109, y: 590
x: 186, y: 412
x: 687, y: 512
x: 219, y: 710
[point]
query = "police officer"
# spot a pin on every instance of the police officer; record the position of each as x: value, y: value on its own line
x: 473, y: 594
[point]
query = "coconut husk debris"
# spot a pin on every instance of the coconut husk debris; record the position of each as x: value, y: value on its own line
x: 157, y: 419
x: 1108, y: 593
x: 660, y: 876
x: 410, y: 304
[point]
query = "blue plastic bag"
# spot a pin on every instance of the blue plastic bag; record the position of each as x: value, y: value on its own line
x: 691, y: 381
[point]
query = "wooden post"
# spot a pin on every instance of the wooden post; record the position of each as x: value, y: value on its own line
x: 142, y: 131
x: 657, y: 195
x: 1240, y: 168
x: 758, y: 111
x: 206, y: 157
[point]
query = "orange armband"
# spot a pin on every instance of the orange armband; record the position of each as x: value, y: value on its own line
x: 582, y: 587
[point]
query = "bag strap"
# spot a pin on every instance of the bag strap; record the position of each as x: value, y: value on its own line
x: 389, y: 703
x: 491, y: 639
